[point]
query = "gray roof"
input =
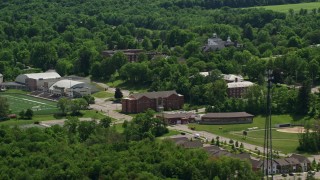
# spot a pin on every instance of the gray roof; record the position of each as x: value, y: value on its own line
x: 227, y: 115
x: 211, y: 148
x: 282, y: 162
x: 154, y: 95
x: 192, y: 144
x: 178, y: 140
x: 292, y: 160
x: 256, y: 163
x: 176, y: 115
x: 243, y: 156
x: 300, y: 158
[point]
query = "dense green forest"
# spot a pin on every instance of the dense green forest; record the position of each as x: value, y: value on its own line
x: 70, y: 36
x: 81, y: 150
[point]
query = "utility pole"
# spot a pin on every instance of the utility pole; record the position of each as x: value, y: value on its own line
x: 267, y: 146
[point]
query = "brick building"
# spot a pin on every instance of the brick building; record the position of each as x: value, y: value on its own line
x: 238, y: 89
x: 158, y: 101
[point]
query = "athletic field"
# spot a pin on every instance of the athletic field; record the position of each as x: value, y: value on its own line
x: 296, y: 7
x: 19, y: 102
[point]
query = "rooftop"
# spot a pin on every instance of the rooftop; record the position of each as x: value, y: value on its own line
x: 240, y: 84
x: 227, y: 115
x: 154, y: 95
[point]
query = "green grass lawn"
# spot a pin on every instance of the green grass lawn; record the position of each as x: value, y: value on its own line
x: 103, y: 94
x: 19, y: 102
x: 119, y: 128
x: 85, y: 114
x: 296, y: 7
x: 135, y: 87
x: 284, y: 142
x: 171, y: 133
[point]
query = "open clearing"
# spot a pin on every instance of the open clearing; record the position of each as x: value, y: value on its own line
x: 296, y: 7
x: 282, y: 141
x: 19, y: 102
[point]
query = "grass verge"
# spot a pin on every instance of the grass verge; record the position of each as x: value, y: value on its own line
x: 284, y: 142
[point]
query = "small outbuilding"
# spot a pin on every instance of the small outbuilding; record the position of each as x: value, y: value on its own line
x: 227, y: 118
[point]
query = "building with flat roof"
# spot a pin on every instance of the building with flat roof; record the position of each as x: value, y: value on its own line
x: 36, y: 81
x: 238, y: 89
x: 227, y: 118
x: 177, y: 117
x: 158, y: 101
x: 1, y: 78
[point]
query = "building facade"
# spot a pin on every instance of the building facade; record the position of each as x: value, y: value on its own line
x: 177, y: 118
x: 238, y: 89
x: 158, y: 101
x: 227, y: 118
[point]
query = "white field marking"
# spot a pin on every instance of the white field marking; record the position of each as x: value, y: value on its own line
x: 30, y: 101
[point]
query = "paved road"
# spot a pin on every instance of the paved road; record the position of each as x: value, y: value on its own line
x: 210, y: 136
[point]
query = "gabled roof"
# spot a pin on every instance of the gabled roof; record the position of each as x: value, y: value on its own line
x: 243, y: 156
x: 300, y: 158
x: 292, y: 160
x: 154, y: 95
x: 256, y: 163
x: 227, y: 115
x: 192, y: 144
x: 282, y: 162
x: 221, y: 153
x: 211, y: 148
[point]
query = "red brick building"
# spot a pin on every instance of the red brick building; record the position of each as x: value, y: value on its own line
x: 238, y: 89
x: 158, y: 101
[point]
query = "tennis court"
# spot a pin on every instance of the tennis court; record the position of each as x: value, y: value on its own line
x: 19, y: 102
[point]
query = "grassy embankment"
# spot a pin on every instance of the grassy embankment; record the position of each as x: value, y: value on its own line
x: 296, y: 7
x: 103, y: 94
x: 284, y: 142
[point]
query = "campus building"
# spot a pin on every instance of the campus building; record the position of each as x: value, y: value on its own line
x: 227, y: 118
x: 70, y: 88
x: 38, y: 81
x: 158, y: 101
x: 177, y: 117
x: 215, y: 43
x: 238, y: 89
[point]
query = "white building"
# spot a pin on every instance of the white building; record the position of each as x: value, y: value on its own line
x: 70, y: 88
x: 232, y: 78
x: 38, y: 81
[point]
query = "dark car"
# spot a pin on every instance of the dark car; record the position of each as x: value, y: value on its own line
x: 291, y: 174
x: 183, y: 133
x: 284, y: 175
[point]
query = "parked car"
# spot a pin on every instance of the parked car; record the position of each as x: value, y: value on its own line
x: 284, y: 175
x: 183, y: 133
x: 291, y: 174
x: 196, y: 135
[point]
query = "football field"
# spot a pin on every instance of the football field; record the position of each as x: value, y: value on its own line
x: 19, y: 102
